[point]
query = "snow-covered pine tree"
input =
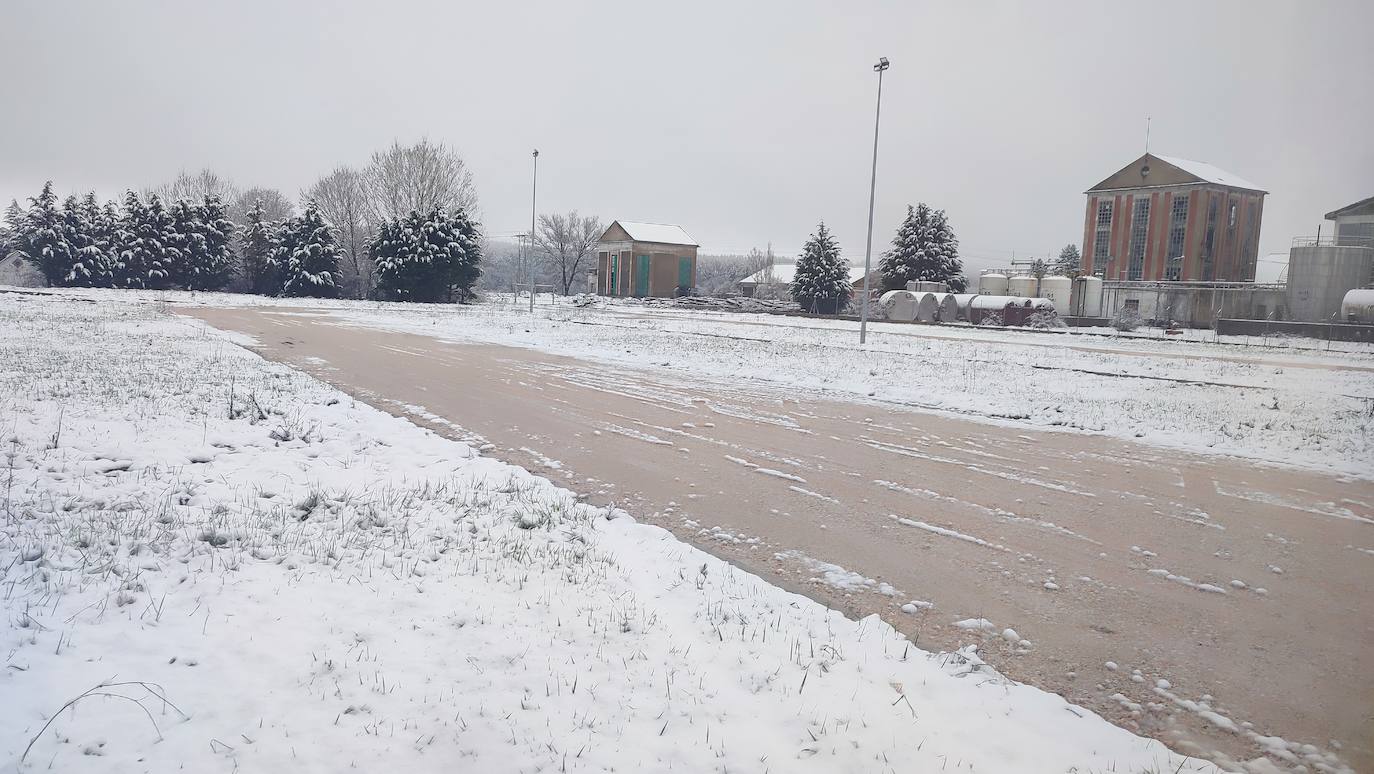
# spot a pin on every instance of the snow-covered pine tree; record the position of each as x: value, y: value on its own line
x: 92, y: 266
x: 431, y: 257
x: 906, y: 260
x: 924, y: 249
x: 132, y: 255
x: 945, y: 247
x: 42, y: 238
x: 821, y: 283
x: 1069, y: 262
x: 10, y: 227
x: 185, y: 242
x: 158, y: 237
x: 306, y: 257
x: 257, y: 240
x: 214, y: 266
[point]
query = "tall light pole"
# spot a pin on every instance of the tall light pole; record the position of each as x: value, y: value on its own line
x: 534, y: 192
x: 872, y: 189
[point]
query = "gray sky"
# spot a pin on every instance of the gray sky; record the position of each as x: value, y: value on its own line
x: 744, y: 122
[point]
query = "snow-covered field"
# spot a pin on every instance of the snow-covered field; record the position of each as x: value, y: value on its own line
x: 210, y: 562
x: 1293, y: 403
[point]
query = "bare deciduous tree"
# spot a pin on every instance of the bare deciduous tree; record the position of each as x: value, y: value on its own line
x: 419, y: 177
x: 342, y: 198
x: 566, y: 243
x: 275, y: 205
x: 196, y: 187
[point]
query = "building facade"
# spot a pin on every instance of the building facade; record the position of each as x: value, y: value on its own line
x: 645, y: 259
x: 1322, y: 269
x: 1163, y: 219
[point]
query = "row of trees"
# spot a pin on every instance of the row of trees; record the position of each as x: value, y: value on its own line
x: 402, y: 227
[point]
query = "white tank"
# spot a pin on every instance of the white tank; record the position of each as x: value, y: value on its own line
x: 1057, y: 289
x: 993, y: 284
x: 1023, y: 285
x: 1087, y: 298
x: 949, y: 308
x: 1358, y: 306
x: 927, y: 308
x: 963, y: 300
x: 900, y: 305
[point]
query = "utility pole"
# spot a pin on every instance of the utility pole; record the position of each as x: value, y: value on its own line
x: 534, y: 193
x: 872, y: 189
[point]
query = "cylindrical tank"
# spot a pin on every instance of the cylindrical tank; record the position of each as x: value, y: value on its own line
x: 1319, y: 276
x: 927, y: 308
x: 1057, y: 289
x: 1007, y: 310
x: 900, y: 305
x: 1023, y: 285
x: 949, y: 308
x: 992, y: 284
x: 1087, y: 297
x: 1358, y: 306
x: 963, y: 300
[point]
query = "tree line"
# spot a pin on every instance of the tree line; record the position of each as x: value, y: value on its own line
x: 402, y: 228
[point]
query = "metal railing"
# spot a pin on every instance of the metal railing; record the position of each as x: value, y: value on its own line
x: 1333, y: 241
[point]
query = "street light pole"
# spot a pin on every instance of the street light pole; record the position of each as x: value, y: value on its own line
x: 881, y: 66
x: 534, y: 192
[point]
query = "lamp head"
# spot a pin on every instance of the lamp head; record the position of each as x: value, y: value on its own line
x: 881, y: 65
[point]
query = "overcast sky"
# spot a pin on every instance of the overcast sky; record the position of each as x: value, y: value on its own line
x: 745, y: 122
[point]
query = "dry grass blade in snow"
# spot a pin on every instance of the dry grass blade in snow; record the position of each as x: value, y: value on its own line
x: 319, y: 586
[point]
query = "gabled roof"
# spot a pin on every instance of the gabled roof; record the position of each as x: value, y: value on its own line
x: 662, y: 233
x: 1169, y: 170
x: 1362, y: 207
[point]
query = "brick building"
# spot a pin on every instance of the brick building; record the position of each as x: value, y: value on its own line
x: 645, y: 259
x: 1168, y: 219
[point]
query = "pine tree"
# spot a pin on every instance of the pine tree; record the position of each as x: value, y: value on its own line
x: 258, y: 240
x: 821, y: 283
x: 185, y: 243
x: 1069, y: 262
x: 924, y: 249
x: 429, y: 257
x: 132, y: 254
x: 9, y: 231
x: 213, y: 267
x: 159, y: 239
x: 307, y: 256
x: 92, y: 265
x: 42, y: 238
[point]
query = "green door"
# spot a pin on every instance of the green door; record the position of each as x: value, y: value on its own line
x: 684, y: 272
x: 642, y: 275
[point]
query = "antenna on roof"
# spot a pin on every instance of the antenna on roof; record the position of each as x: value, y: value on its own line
x: 1147, y: 134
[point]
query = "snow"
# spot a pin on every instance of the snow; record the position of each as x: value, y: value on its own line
x: 336, y: 588
x: 662, y: 233
x: 1209, y: 173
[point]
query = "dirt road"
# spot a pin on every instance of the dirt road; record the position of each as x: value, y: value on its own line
x: 1245, y: 588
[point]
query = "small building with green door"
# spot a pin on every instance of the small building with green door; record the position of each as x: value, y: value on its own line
x: 645, y: 259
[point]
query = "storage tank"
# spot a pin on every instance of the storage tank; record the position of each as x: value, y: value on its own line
x: 1023, y: 285
x: 963, y: 300
x: 1087, y: 297
x: 927, y: 308
x: 900, y: 305
x: 1009, y: 310
x: 1057, y: 289
x: 949, y: 308
x: 1358, y: 306
x: 992, y: 284
x: 1320, y: 273
x: 927, y: 286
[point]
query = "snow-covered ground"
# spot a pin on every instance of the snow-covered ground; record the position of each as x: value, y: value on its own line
x: 1293, y: 403
x: 210, y: 562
